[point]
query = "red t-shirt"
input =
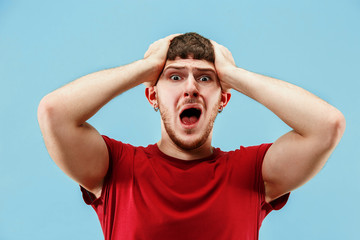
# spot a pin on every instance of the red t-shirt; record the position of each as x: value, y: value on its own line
x: 148, y: 195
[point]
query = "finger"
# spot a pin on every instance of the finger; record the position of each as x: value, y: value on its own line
x: 215, y: 44
x: 172, y: 36
x: 160, y: 42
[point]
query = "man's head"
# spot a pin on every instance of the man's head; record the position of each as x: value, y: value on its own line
x: 188, y: 92
x: 191, y: 45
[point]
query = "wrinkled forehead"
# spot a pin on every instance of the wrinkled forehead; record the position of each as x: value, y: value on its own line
x: 189, y: 63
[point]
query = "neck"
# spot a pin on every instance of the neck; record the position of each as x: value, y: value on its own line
x: 171, y: 149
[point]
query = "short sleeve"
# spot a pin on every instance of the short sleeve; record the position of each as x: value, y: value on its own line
x: 276, y: 204
x: 114, y: 149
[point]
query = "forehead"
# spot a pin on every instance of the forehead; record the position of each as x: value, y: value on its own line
x: 189, y: 63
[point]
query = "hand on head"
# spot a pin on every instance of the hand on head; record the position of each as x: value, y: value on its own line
x: 157, y: 53
x: 224, y: 62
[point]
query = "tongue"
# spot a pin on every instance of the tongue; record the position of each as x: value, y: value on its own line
x: 189, y: 120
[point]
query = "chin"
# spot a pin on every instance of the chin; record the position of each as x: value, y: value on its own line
x: 189, y: 141
x: 189, y: 145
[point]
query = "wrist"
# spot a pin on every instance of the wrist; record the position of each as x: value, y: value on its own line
x: 227, y: 74
x: 146, y: 70
x: 152, y: 68
x: 236, y: 78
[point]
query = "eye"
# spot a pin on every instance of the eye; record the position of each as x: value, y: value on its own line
x: 204, y: 78
x: 175, y: 77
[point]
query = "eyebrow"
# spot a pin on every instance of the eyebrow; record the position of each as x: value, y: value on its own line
x: 197, y: 68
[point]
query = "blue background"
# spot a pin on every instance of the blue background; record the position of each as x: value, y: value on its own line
x: 46, y: 44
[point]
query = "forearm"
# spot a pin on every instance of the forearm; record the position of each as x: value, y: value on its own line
x: 307, y: 114
x: 78, y: 101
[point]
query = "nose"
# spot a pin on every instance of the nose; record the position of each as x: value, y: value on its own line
x: 191, y: 87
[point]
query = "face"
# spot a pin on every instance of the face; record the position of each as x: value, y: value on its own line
x: 189, y: 95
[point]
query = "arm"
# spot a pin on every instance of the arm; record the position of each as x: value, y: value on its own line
x: 300, y: 154
x: 75, y: 146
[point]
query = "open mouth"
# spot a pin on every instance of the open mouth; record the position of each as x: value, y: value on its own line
x: 190, y: 116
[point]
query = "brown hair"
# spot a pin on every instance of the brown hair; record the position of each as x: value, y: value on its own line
x: 191, y: 45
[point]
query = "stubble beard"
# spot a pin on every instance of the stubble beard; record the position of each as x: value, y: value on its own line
x: 181, y: 143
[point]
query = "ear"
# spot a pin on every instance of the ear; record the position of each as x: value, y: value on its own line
x: 225, y: 98
x: 151, y: 95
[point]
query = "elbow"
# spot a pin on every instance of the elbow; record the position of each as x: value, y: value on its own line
x: 45, y: 112
x: 42, y: 111
x: 336, y: 128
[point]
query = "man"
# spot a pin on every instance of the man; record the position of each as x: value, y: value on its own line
x: 182, y: 187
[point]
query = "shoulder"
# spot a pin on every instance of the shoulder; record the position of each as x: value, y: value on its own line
x: 249, y: 152
x: 118, y: 150
x: 116, y: 145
